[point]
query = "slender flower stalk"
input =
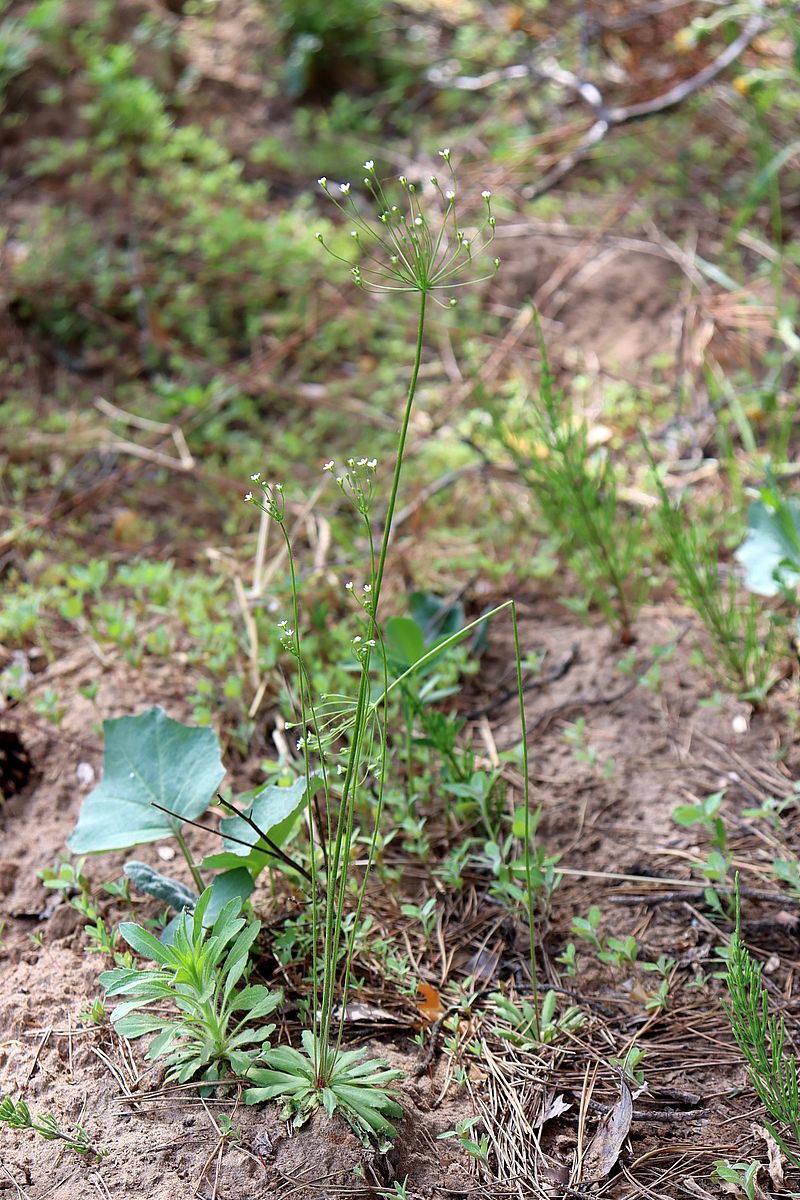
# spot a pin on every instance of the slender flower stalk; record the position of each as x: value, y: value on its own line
x: 401, y: 249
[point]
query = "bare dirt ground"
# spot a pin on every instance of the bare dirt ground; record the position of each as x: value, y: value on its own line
x: 609, y: 828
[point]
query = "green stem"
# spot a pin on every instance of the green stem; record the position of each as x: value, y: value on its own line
x: 196, y: 876
x: 335, y: 903
x: 398, y: 466
x: 527, y: 819
x: 304, y: 691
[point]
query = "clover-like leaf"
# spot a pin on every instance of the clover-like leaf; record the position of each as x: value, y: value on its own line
x: 148, y: 760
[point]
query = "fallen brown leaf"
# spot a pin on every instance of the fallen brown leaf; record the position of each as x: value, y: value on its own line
x: 554, y: 1106
x: 430, y: 1006
x: 775, y: 1156
x: 604, y: 1148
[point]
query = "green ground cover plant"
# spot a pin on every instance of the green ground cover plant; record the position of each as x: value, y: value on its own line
x: 17, y: 1115
x: 220, y: 1028
x: 761, y: 1038
x: 744, y: 641
x: 574, y: 489
x: 188, y: 262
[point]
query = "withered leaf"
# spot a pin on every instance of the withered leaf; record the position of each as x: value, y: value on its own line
x: 604, y: 1148
x: 775, y: 1165
x: 430, y: 1004
x: 554, y: 1106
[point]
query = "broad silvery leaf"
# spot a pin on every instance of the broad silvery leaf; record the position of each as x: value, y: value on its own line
x: 770, y: 554
x: 273, y: 810
x: 148, y: 760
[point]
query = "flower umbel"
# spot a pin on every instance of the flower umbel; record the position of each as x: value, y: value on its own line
x: 406, y: 248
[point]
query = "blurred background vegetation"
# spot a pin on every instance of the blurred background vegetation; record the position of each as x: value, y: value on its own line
x: 168, y: 324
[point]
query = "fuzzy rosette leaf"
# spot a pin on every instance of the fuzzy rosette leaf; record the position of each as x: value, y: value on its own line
x: 342, y: 1081
x: 218, y: 1027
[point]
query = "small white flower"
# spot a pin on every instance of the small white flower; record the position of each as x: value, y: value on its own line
x: 434, y: 180
x: 344, y: 188
x: 354, y: 234
x: 402, y: 179
x: 371, y: 642
x: 367, y: 587
x: 486, y: 195
x: 339, y: 769
x: 349, y: 586
x: 255, y: 478
x: 445, y: 154
x: 418, y: 221
x: 369, y: 165
x: 328, y: 466
x: 282, y: 624
x: 318, y: 236
x: 372, y: 463
x: 247, y: 497
x: 450, y: 195
x: 356, y: 640
x: 323, y: 183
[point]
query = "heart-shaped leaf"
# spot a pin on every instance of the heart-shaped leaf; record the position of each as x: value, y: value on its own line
x: 148, y: 760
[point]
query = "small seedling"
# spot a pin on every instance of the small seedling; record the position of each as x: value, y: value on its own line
x: 630, y: 1065
x: 706, y: 813
x: 619, y: 952
x: 569, y: 960
x: 70, y: 880
x: 522, y: 1027
x: 584, y: 752
x: 742, y: 1175
x: 49, y: 706
x: 96, y: 1014
x: 398, y: 1190
x: 478, y: 1150
x: 426, y: 914
x: 717, y: 865
x: 586, y: 927
x: 19, y: 1116
x: 220, y: 1027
